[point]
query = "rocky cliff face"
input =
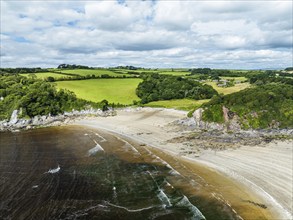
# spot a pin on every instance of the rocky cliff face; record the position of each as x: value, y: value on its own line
x: 47, y: 120
x: 200, y: 124
x: 231, y: 121
x: 196, y: 132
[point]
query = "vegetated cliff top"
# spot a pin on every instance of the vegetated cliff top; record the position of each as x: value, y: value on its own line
x: 265, y: 106
x: 37, y: 97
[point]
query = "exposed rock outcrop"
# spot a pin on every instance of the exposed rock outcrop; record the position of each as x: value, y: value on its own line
x: 231, y: 121
x: 14, y: 117
x: 47, y: 120
x: 200, y: 124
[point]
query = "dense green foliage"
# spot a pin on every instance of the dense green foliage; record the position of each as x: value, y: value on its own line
x: 36, y: 97
x: 265, y: 106
x: 22, y: 70
x: 220, y: 72
x: 72, y: 66
x: 128, y: 67
x: 205, y: 73
x: 269, y: 77
x: 164, y: 87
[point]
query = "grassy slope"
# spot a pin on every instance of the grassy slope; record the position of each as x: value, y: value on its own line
x: 114, y: 90
x: 44, y: 75
x: 229, y: 90
x: 96, y: 72
x: 181, y: 104
x: 235, y: 78
x: 175, y: 73
x: 136, y: 71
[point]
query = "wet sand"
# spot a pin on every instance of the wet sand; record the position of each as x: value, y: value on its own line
x: 256, y: 180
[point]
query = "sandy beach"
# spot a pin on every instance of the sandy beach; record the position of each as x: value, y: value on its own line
x: 264, y: 170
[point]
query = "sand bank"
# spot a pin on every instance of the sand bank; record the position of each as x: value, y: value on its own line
x: 265, y: 170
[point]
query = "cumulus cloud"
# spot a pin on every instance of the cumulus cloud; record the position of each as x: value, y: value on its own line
x: 218, y: 34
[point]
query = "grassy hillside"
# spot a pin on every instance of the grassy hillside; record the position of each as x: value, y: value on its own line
x: 96, y: 72
x: 174, y: 73
x: 45, y: 75
x: 229, y: 90
x: 114, y: 90
x: 234, y: 78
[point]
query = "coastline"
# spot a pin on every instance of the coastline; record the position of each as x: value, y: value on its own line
x: 250, y: 163
x: 15, y: 124
x: 264, y: 170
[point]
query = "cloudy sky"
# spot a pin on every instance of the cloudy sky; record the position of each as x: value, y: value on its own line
x: 217, y: 34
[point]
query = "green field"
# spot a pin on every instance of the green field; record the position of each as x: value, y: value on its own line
x: 45, y: 75
x: 181, y: 104
x: 175, y: 73
x: 229, y: 90
x: 96, y: 72
x: 114, y: 90
x: 235, y: 78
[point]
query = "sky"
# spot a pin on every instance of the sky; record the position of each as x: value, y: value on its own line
x: 151, y: 34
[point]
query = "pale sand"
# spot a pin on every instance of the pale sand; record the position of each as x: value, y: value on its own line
x: 266, y: 171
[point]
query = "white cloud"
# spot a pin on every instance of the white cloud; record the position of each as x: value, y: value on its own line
x: 173, y: 15
x: 108, y: 15
x: 252, y: 34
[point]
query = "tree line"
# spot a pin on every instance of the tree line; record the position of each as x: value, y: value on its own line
x: 23, y: 70
x: 156, y: 87
x: 37, y: 97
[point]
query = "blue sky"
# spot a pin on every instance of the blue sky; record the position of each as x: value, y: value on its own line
x: 216, y: 34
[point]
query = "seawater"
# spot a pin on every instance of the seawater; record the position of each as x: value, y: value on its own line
x: 83, y: 173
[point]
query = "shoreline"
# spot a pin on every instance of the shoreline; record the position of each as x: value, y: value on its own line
x: 154, y: 128
x: 15, y: 124
x: 238, y: 157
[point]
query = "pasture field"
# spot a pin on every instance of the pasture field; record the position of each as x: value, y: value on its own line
x: 45, y: 75
x: 96, y: 72
x: 136, y: 71
x: 114, y: 90
x: 117, y: 72
x: 180, y: 104
x: 175, y: 73
x: 174, y: 69
x: 235, y: 78
x: 229, y: 90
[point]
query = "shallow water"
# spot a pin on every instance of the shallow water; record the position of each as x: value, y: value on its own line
x: 82, y: 173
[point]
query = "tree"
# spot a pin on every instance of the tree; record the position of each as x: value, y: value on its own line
x: 50, y: 79
x: 164, y: 87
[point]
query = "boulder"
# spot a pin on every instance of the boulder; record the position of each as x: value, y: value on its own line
x: 14, y: 117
